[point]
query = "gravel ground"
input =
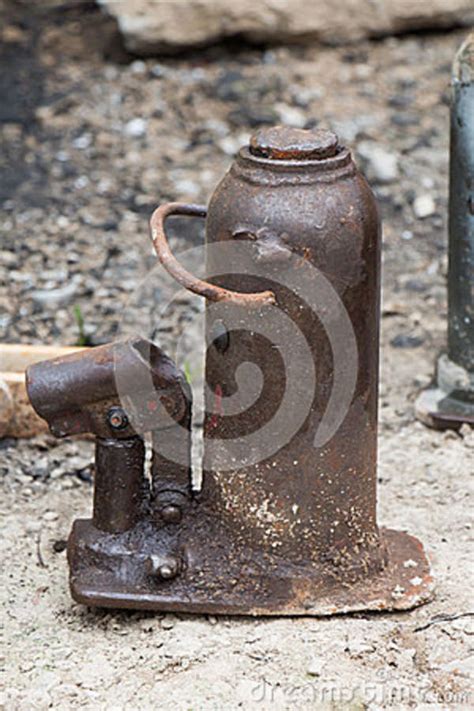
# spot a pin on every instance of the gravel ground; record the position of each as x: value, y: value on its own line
x: 94, y: 140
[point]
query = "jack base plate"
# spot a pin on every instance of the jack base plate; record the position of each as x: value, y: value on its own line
x: 436, y: 409
x: 110, y: 570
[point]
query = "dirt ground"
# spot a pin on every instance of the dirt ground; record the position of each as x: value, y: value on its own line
x: 94, y: 140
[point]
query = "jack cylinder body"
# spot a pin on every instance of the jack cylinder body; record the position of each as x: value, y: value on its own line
x: 313, y: 226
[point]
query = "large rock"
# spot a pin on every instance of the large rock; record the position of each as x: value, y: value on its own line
x: 150, y: 26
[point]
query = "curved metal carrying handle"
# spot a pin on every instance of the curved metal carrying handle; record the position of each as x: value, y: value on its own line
x: 183, y: 277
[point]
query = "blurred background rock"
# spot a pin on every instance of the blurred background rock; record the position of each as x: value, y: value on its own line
x: 149, y: 26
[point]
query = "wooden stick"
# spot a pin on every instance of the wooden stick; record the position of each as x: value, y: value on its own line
x: 17, y: 417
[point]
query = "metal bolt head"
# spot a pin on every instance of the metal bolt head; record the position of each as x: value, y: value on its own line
x: 167, y: 571
x: 171, y: 513
x: 166, y: 568
x: 117, y: 418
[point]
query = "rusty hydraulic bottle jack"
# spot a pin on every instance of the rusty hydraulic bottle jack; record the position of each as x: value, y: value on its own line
x: 450, y: 401
x: 285, y: 521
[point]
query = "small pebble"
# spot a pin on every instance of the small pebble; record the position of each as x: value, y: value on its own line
x: 382, y: 164
x: 315, y: 667
x: 357, y: 647
x: 54, y: 297
x: 415, y: 285
x: 424, y: 206
x: 167, y: 623
x: 230, y: 145
x: 469, y: 628
x: 158, y: 70
x: 60, y: 545
x: 50, y: 516
x: 83, y: 141
x: 466, y: 431
x: 404, y: 340
x: 138, y: 67
x: 136, y: 128
x: 111, y: 72
x: 291, y: 116
x: 185, y: 186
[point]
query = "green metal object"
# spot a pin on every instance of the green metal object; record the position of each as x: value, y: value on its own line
x: 450, y: 402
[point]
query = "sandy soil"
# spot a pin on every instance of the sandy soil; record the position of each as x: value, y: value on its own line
x: 93, y: 144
